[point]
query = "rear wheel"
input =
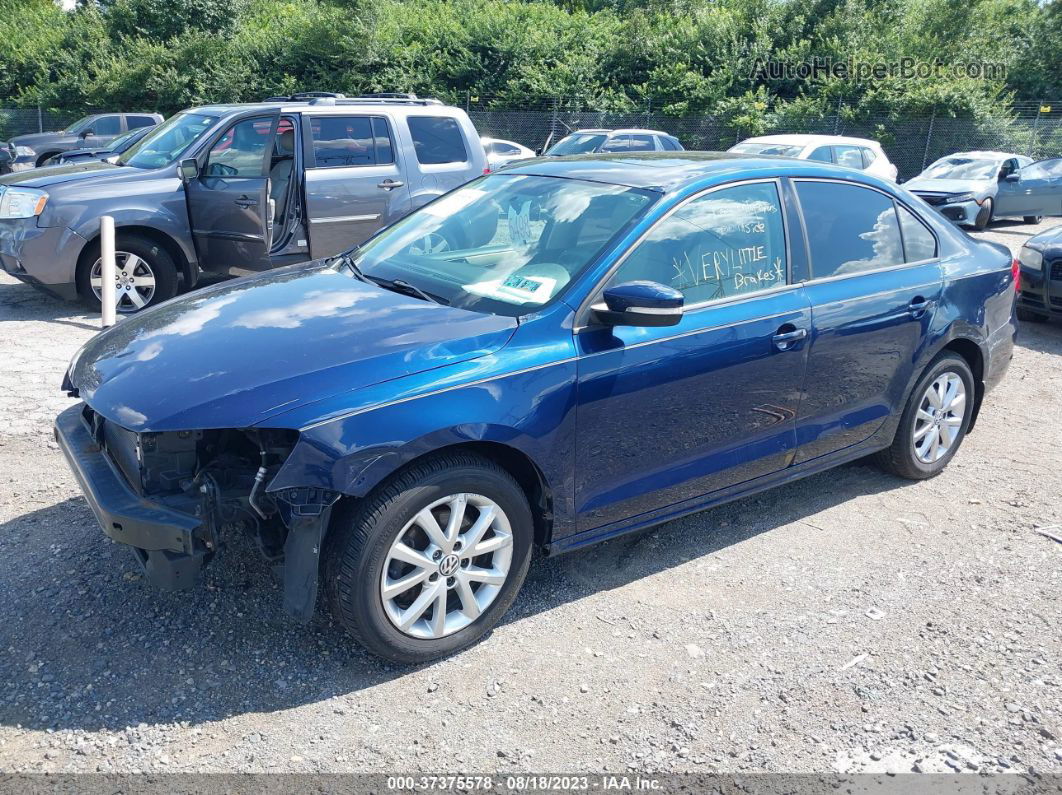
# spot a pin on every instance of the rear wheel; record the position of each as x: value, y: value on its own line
x: 145, y: 275
x: 934, y: 422
x: 430, y: 562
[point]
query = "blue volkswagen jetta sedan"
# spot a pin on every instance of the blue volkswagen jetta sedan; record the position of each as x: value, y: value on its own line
x: 620, y: 341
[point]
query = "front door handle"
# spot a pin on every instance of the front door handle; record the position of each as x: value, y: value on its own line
x: 388, y: 184
x: 919, y: 306
x: 246, y: 202
x: 785, y: 340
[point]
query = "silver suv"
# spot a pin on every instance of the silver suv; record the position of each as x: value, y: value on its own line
x: 236, y: 188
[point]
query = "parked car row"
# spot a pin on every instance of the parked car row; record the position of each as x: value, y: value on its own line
x: 91, y: 132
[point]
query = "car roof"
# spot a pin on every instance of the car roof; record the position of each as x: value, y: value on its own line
x: 671, y: 171
x: 620, y: 131
x: 337, y: 107
x: 806, y: 139
x: 986, y: 154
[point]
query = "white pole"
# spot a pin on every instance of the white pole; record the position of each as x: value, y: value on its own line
x: 108, y: 270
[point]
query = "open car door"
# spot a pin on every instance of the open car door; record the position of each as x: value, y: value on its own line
x: 1031, y: 191
x: 228, y: 200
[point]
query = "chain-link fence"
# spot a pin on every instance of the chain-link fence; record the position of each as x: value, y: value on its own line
x: 1033, y: 128
x: 19, y: 121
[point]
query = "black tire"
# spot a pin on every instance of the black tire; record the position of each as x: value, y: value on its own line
x: 900, y: 458
x: 157, y: 258
x: 984, y: 216
x: 1032, y: 219
x: 42, y: 159
x: 363, y: 531
x: 1025, y: 316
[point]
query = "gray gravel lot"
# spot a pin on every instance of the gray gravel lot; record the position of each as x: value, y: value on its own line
x: 852, y: 621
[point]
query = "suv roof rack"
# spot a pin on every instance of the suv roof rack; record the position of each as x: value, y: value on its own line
x: 304, y: 96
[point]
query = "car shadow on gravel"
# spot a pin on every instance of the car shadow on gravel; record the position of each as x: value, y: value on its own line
x: 21, y: 302
x: 87, y: 644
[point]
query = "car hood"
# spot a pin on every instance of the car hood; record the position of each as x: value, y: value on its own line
x: 1052, y: 237
x: 947, y: 185
x: 33, y: 139
x: 48, y: 176
x: 238, y: 353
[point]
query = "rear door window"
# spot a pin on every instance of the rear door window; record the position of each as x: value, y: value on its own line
x: 848, y: 156
x: 107, y: 125
x: 823, y: 154
x: 617, y: 143
x: 437, y: 140
x: 342, y: 141
x: 850, y: 229
x: 868, y: 157
x: 134, y: 122
x: 642, y: 143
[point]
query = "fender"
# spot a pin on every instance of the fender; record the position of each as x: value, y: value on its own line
x: 353, y: 454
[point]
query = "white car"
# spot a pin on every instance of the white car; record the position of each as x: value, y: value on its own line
x: 861, y: 154
x: 500, y: 152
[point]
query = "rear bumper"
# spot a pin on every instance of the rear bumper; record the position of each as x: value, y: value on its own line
x: 165, y: 540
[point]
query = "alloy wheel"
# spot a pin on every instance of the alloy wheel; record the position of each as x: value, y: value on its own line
x: 446, y: 566
x: 431, y: 243
x: 939, y: 419
x: 134, y: 282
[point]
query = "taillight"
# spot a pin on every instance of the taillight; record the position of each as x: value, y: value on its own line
x: 486, y: 170
x: 1015, y: 271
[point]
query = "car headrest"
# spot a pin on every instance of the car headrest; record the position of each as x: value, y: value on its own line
x: 286, y: 143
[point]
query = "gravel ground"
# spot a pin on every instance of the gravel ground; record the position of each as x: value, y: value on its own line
x: 849, y: 622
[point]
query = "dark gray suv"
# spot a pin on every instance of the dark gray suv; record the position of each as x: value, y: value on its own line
x: 236, y: 189
x: 90, y: 132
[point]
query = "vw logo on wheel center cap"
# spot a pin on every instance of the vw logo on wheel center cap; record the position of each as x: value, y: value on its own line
x: 449, y: 565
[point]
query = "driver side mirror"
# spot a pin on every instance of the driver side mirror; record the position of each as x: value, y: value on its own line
x: 1013, y: 176
x: 188, y: 169
x: 640, y: 304
x: 86, y: 133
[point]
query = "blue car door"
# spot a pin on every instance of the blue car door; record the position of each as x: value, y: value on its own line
x: 666, y: 415
x: 1033, y: 190
x: 874, y: 283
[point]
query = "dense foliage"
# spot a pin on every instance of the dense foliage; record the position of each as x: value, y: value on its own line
x: 685, y: 56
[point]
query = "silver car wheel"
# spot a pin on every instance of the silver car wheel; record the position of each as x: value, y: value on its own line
x: 431, y: 243
x: 446, y: 566
x: 134, y: 282
x: 939, y: 418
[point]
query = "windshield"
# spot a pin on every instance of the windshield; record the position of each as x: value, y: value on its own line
x: 506, y: 244
x: 786, y: 150
x: 962, y: 168
x: 167, y: 142
x: 79, y: 125
x: 117, y: 144
x: 577, y: 144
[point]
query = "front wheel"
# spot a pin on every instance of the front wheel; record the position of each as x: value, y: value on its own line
x: 145, y: 275
x: 934, y: 421
x: 430, y: 562
x: 984, y: 216
x: 1032, y: 219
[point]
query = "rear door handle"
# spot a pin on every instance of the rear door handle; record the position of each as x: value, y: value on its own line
x: 246, y: 201
x: 784, y: 340
x: 388, y: 184
x: 919, y: 306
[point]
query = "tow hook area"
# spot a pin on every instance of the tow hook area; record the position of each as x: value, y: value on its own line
x: 306, y: 512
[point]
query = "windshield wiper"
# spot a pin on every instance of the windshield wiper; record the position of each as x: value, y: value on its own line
x: 405, y: 287
x: 347, y: 258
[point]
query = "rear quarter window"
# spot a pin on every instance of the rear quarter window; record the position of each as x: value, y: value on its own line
x: 437, y: 140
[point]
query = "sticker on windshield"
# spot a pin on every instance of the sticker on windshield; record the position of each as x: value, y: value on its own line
x: 520, y: 224
x: 516, y: 289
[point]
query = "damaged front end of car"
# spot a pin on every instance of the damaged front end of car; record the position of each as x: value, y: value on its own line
x: 174, y: 497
